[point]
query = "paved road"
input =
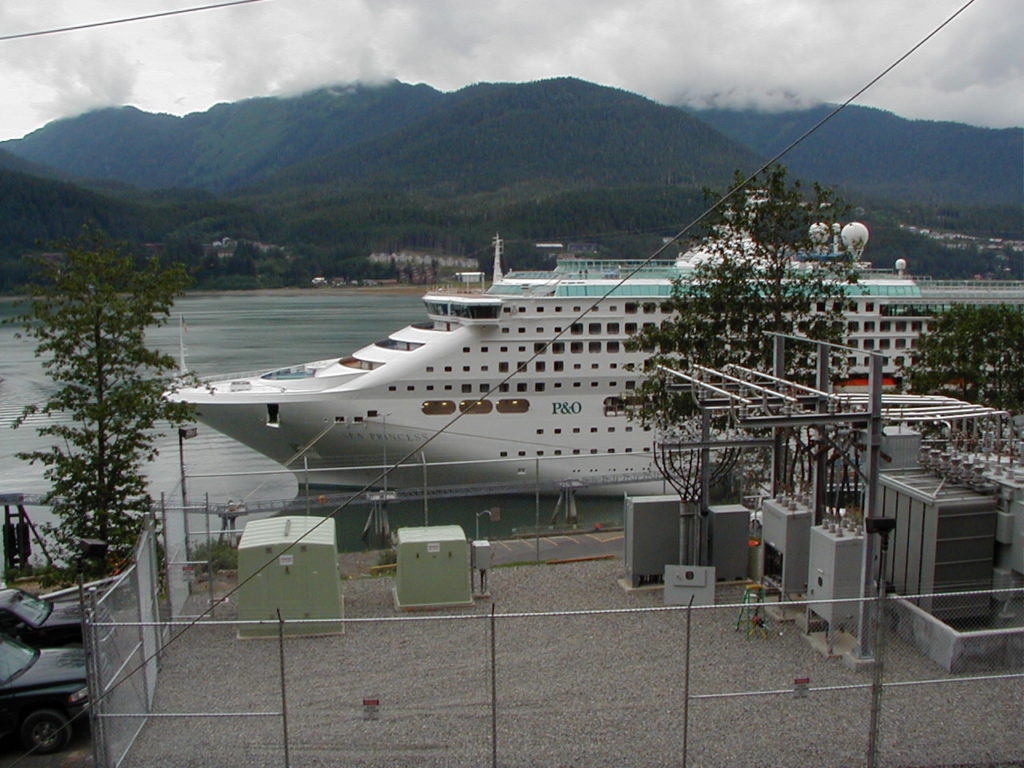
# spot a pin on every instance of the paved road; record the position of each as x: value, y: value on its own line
x: 558, y: 547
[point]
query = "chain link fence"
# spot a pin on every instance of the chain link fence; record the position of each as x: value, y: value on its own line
x: 613, y: 677
x: 124, y: 633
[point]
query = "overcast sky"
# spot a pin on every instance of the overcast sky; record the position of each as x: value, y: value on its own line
x: 763, y: 53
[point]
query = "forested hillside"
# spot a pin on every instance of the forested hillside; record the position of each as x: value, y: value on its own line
x: 877, y: 153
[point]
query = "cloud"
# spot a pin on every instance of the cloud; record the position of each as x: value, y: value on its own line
x: 772, y: 55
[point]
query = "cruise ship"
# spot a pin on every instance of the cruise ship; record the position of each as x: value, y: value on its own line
x: 479, y: 392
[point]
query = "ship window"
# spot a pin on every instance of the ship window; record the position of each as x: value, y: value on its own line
x: 559, y: 365
x: 576, y: 329
x: 538, y: 386
x: 438, y: 407
x: 467, y: 388
x: 540, y: 309
x: 594, y: 328
x: 503, y: 367
x: 485, y: 387
x: 613, y: 346
x: 558, y: 308
x: 273, y: 415
x: 372, y: 414
x: 650, y: 307
x: 576, y: 347
x: 595, y: 346
x: 539, y: 366
x: 430, y: 387
x: 521, y: 386
x: 631, y: 308
x: 503, y: 349
x: 614, y: 406
x: 503, y: 454
x: 475, y: 406
x: 538, y: 346
x: 363, y: 365
x: 484, y: 349
x: 558, y: 347
x: 392, y: 388
x: 465, y: 350
x: 613, y: 327
x: 518, y: 405
x: 447, y: 369
x: 465, y: 369
x: 503, y: 387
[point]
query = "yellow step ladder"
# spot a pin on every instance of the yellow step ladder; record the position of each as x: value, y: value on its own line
x: 751, y: 617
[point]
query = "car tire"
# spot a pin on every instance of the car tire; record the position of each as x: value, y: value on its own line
x: 45, y: 731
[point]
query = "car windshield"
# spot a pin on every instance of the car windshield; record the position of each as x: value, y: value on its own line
x: 14, y: 657
x: 29, y: 608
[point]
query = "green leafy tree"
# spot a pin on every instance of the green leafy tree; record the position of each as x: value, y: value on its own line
x: 766, y: 265
x: 975, y: 353
x: 88, y: 312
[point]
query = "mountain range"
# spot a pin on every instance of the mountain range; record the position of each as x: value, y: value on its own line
x: 357, y: 168
x: 561, y: 133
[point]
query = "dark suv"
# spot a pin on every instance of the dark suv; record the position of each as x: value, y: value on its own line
x: 40, y: 623
x: 41, y: 691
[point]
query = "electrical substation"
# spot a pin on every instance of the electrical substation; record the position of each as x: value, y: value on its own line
x: 917, y: 497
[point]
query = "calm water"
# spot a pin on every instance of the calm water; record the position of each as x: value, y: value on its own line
x: 242, y: 332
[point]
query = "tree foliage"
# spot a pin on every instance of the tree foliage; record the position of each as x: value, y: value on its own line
x: 88, y: 311
x: 975, y: 353
x: 748, y: 282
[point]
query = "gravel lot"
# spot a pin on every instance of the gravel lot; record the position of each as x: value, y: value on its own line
x: 578, y: 690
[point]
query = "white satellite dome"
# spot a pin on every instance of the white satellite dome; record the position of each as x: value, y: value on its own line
x: 855, y: 237
x: 819, y: 233
x: 901, y: 266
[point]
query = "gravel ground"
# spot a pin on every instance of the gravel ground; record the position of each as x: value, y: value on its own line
x: 584, y: 690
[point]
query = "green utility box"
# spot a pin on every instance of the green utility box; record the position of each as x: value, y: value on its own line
x: 433, y: 568
x: 298, y: 579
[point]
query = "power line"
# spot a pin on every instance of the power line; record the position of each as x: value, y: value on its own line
x: 112, y: 22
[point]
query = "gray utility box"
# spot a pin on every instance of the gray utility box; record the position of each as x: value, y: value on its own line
x: 729, y: 534
x: 786, y: 532
x: 652, y: 537
x: 834, y: 573
x: 945, y: 541
x: 686, y: 582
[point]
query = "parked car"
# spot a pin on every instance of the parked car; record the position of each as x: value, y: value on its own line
x: 40, y: 623
x: 41, y: 691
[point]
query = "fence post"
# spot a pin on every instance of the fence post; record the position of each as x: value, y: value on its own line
x: 876, y: 675
x: 494, y: 694
x: 97, y: 702
x: 284, y: 697
x: 686, y: 680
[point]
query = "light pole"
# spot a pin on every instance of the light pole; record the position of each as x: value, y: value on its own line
x: 184, y: 433
x: 493, y: 514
